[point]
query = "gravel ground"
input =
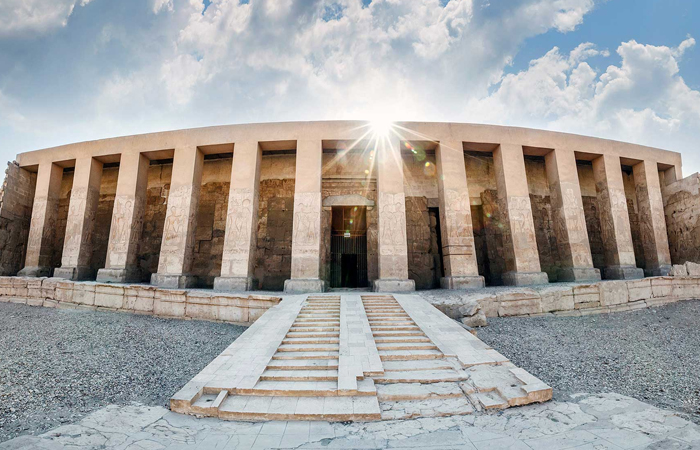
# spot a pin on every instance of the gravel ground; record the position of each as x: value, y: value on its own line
x: 652, y: 354
x: 58, y: 365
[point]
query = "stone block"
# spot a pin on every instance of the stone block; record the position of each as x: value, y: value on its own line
x: 393, y: 285
x: 693, y: 269
x: 639, y: 289
x: 5, y: 286
x: 84, y: 293
x: 255, y: 313
x: 685, y: 288
x: 19, y: 287
x: 679, y: 270
x: 204, y: 311
x: 234, y: 284
x: 304, y: 285
x: 661, y: 287
x: 586, y: 305
x: 36, y: 271
x: 556, y: 298
x: 34, y: 289
x: 48, y: 288
x: 48, y: 303
x: 613, y: 292
x: 74, y: 273
x: 586, y: 293
x: 578, y: 274
x: 34, y: 301
x: 168, y: 309
x: 139, y: 298
x: 173, y: 281
x: 118, y: 275
x: 233, y: 313
x: 109, y: 296
x: 623, y: 273
x: 517, y: 302
x: 64, y: 291
x: 462, y: 282
x: 525, y: 278
x: 171, y: 295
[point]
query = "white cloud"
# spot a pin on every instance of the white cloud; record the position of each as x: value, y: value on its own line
x: 21, y: 17
x: 643, y: 99
x: 159, y: 5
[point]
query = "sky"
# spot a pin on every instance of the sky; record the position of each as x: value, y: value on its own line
x: 76, y: 70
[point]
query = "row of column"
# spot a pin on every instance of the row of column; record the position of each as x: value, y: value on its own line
x: 460, y: 264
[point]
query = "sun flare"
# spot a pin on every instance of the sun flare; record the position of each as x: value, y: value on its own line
x: 381, y: 127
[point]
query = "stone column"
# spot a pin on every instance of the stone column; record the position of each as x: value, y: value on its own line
x: 42, y: 228
x: 620, y: 263
x: 457, y: 233
x: 176, y: 249
x: 306, y: 233
x: 84, y: 198
x: 519, y: 242
x: 651, y: 218
x: 240, y: 241
x: 127, y: 221
x: 569, y: 218
x: 391, y: 201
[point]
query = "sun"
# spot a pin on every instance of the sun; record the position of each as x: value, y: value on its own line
x: 381, y: 128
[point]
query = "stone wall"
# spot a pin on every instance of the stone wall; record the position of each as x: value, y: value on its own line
x: 103, y: 217
x: 16, y: 198
x: 424, y: 255
x: 682, y: 211
x: 63, y: 204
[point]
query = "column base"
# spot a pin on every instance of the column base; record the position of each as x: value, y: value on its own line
x: 165, y: 280
x: 393, y: 285
x: 74, y: 273
x: 578, y: 274
x: 472, y: 282
x: 623, y: 273
x: 35, y: 271
x: 304, y: 285
x: 661, y: 271
x: 118, y: 275
x: 524, y: 278
x: 234, y: 284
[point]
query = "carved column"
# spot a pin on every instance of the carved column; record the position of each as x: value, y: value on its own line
x: 456, y: 231
x: 569, y: 218
x: 84, y: 198
x: 620, y: 263
x: 127, y: 221
x: 37, y: 262
x: 519, y: 242
x: 306, y: 233
x: 391, y: 201
x: 176, y: 249
x: 238, y: 260
x: 651, y: 218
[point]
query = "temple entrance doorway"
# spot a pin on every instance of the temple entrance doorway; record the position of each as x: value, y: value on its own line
x: 349, y: 247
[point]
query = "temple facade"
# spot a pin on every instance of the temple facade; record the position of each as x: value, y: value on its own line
x: 308, y: 206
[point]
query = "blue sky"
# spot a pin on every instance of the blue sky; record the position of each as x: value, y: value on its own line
x: 74, y: 70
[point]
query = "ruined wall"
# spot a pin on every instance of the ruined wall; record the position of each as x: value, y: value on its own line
x: 682, y: 211
x: 16, y: 198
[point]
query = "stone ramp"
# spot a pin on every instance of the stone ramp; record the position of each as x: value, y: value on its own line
x: 355, y: 357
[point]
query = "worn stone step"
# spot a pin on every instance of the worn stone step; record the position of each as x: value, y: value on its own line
x: 395, y: 328
x: 313, y: 329
x: 394, y: 339
x: 427, y: 364
x: 311, y: 320
x: 420, y: 376
x: 408, y: 355
x: 299, y: 375
x: 292, y: 388
x: 308, y: 334
x: 332, y: 409
x: 418, y: 391
x: 385, y: 323
x: 303, y: 364
x: 310, y: 340
x: 307, y: 348
x: 398, y: 333
x: 306, y: 355
x: 439, y: 407
x: 406, y: 346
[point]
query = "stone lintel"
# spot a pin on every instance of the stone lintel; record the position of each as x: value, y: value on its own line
x: 579, y: 274
x: 235, y: 284
x: 78, y: 273
x: 623, y: 273
x: 128, y: 275
x: 304, y: 286
x: 394, y: 285
x: 525, y: 278
x: 462, y: 282
x: 173, y: 281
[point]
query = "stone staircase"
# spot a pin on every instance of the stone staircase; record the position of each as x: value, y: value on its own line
x: 418, y: 380
x: 355, y: 357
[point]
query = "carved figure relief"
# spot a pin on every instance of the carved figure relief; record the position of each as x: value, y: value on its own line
x: 307, y: 216
x: 392, y: 224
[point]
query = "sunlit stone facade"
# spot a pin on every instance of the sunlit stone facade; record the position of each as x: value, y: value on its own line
x: 315, y: 205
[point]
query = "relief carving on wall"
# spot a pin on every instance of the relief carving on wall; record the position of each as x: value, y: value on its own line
x: 178, y: 231
x: 392, y: 224
x: 79, y: 226
x: 521, y: 234
x: 457, y: 220
x: 307, y: 222
x: 125, y: 230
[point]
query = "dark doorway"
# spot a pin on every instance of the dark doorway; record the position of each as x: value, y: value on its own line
x: 349, y: 247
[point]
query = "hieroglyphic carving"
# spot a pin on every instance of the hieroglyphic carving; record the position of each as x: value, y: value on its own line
x: 307, y: 221
x: 652, y: 224
x: 520, y: 234
x: 570, y: 225
x: 41, y: 231
x: 125, y: 231
x: 178, y: 232
x: 79, y: 226
x: 238, y: 253
x: 392, y: 224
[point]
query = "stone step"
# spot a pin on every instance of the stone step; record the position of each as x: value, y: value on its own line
x: 303, y: 364
x: 307, y: 348
x: 418, y: 391
x: 392, y: 339
x: 305, y: 388
x: 410, y: 355
x: 306, y: 320
x: 313, y: 329
x: 427, y: 364
x: 406, y: 346
x: 318, y: 315
x: 396, y: 328
x: 398, y: 333
x: 420, y: 376
x: 310, y: 340
x: 305, y: 355
x: 308, y: 334
x: 332, y: 409
x: 388, y: 319
x: 438, y: 407
x: 299, y: 375
x: 385, y: 323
